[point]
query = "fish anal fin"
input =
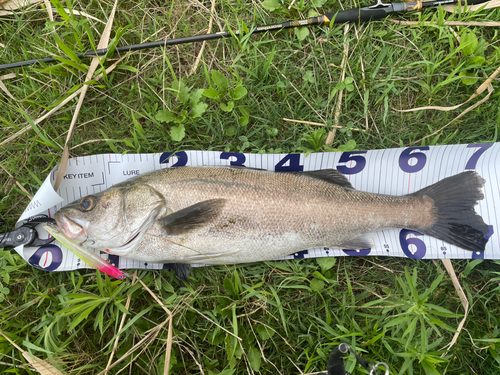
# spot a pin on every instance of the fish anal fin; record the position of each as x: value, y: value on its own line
x: 357, y: 243
x: 192, y: 217
x: 332, y: 176
x: 182, y: 271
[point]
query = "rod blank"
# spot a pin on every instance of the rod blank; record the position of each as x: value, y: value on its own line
x: 377, y: 11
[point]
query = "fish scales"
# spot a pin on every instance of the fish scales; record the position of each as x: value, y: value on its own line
x: 219, y: 215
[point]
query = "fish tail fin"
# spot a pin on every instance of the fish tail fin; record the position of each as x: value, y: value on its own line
x: 456, y: 221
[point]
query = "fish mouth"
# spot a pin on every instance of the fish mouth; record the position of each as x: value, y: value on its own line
x: 73, y: 228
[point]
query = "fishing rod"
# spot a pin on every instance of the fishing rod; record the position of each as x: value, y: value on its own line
x: 373, y: 12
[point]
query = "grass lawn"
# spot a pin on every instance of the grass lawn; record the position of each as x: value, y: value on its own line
x: 273, y: 317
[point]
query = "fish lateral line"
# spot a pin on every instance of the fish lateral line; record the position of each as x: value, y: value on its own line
x: 200, y: 253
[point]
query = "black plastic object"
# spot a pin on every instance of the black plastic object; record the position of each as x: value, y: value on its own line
x: 335, y: 364
x: 26, y: 235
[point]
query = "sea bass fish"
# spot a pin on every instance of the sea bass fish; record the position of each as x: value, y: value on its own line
x: 227, y: 215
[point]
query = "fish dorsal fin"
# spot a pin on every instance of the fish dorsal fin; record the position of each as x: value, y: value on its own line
x: 331, y: 175
x: 191, y: 217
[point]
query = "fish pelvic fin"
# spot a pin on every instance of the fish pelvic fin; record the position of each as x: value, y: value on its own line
x: 358, y: 243
x: 456, y: 221
x: 192, y: 217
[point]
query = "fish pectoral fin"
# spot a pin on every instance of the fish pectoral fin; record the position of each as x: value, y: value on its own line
x: 357, y: 244
x: 191, y: 217
x: 332, y: 176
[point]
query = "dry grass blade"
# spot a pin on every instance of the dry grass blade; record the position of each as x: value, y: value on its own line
x: 304, y: 122
x: 463, y: 298
x: 92, y: 141
x: 212, y: 321
x: 17, y: 183
x: 316, y: 123
x: 6, y: 91
x: 437, y: 108
x: 2, y: 85
x: 103, y: 43
x: 50, y: 11
x: 151, y: 336
x: 490, y: 91
x: 298, y: 92
x: 210, y: 23
x: 364, y: 77
x: 122, y: 322
x: 38, y: 364
x: 168, y: 350
x: 10, y: 5
x: 80, y: 13
x: 485, y: 85
x: 294, y: 87
x: 331, y: 134
x: 448, y: 23
x: 60, y: 105
x: 7, y: 76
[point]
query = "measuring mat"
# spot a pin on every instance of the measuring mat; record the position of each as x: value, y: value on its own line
x: 398, y: 171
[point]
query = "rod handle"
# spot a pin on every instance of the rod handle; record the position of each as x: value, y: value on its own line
x: 356, y: 15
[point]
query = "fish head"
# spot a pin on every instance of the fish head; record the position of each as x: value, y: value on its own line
x: 115, y: 219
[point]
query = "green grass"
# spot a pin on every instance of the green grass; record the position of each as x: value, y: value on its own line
x: 289, y: 314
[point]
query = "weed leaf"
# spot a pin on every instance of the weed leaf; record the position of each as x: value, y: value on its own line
x: 165, y: 116
x: 254, y: 357
x: 264, y: 332
x: 317, y: 285
x: 468, y: 77
x: 227, y: 107
x: 243, y: 121
x: 196, y: 96
x: 271, y: 5
x: 302, y: 33
x: 177, y: 133
x: 326, y: 263
x: 198, y: 110
x: 238, y: 93
x: 219, y: 80
x: 212, y: 94
x: 468, y: 42
x: 231, y: 131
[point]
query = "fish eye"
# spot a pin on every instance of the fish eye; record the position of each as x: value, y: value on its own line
x: 87, y: 203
